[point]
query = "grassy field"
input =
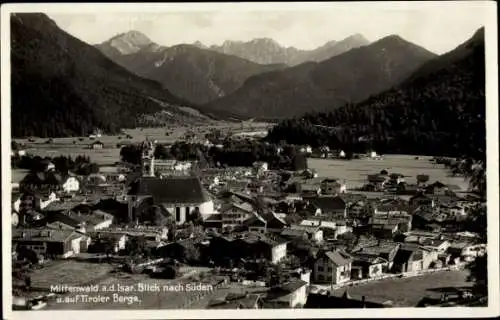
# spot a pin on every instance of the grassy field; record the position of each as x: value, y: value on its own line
x: 111, y: 153
x: 68, y: 272
x: 355, y: 172
x: 407, y: 292
x: 148, y: 300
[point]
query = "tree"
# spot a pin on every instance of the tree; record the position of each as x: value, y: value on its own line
x: 172, y: 230
x: 478, y: 273
x: 136, y: 246
x: 195, y: 217
x: 131, y: 154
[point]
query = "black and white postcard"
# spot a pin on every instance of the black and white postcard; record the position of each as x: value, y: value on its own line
x: 246, y: 160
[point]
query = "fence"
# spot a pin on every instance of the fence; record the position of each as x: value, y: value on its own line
x: 397, y: 275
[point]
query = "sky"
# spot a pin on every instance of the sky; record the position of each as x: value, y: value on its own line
x: 438, y: 27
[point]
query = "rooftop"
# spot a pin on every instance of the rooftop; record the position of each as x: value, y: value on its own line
x: 44, y: 234
x: 175, y: 189
x: 339, y: 257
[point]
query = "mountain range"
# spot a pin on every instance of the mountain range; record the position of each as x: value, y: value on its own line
x: 203, y: 74
x: 195, y: 74
x: 62, y: 86
x: 349, y: 77
x: 391, y: 92
x: 437, y: 110
x: 268, y: 51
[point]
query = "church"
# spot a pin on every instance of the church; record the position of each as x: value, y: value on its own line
x: 180, y: 195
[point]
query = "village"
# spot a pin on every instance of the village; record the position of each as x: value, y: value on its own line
x: 242, y: 237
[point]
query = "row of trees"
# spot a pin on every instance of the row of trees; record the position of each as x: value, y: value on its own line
x: 233, y: 153
x: 80, y: 165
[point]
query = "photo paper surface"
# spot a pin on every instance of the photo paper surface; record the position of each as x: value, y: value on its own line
x: 190, y: 160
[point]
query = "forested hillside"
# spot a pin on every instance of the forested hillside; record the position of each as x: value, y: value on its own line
x: 62, y: 86
x: 439, y: 110
x: 349, y: 77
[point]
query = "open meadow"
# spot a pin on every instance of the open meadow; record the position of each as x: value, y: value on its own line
x: 111, y: 153
x: 407, y: 292
x: 355, y: 172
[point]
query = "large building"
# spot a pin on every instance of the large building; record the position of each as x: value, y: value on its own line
x: 179, y: 195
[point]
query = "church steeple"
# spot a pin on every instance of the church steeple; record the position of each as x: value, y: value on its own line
x: 148, y: 158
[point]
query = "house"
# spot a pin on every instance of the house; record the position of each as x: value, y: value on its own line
x: 332, y: 267
x: 237, y: 185
x: 32, y: 201
x: 357, y: 205
x: 96, y: 220
x: 389, y: 217
x: 96, y: 145
x: 413, y: 258
x: 70, y: 184
x: 308, y: 189
x: 179, y: 195
x: 467, y: 251
x: 451, y: 210
x: 236, y: 214
x: 330, y: 206
x: 438, y: 245
x: 386, y: 250
x: 391, y: 207
x: 102, y: 240
x: 332, y: 187
x: 150, y: 233
x: 331, y: 229
x: 237, y: 301
x: 49, y: 181
x: 314, y: 233
x: 437, y: 188
x: 250, y: 246
x: 50, y: 242
x: 378, y: 181
x: 292, y: 294
x: 421, y: 200
x: 368, y: 265
x: 186, y: 250
x: 266, y: 222
x: 386, y: 225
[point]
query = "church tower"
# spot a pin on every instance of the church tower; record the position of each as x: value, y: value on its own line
x: 148, y: 158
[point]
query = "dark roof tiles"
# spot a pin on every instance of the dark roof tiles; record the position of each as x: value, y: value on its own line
x: 170, y: 190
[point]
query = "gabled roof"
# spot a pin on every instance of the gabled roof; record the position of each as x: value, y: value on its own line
x: 63, y: 218
x: 306, y: 228
x: 339, y: 257
x: 44, y: 234
x: 273, y: 221
x: 368, y: 258
x: 282, y: 292
x: 177, y: 189
x: 287, y: 232
x: 329, y: 203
